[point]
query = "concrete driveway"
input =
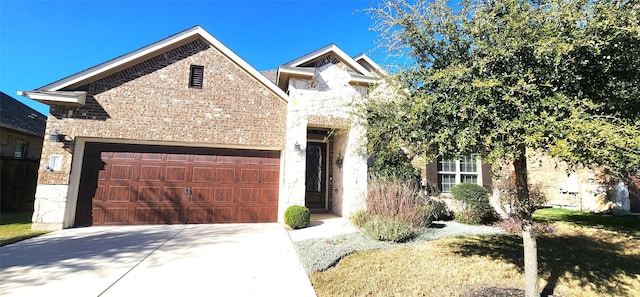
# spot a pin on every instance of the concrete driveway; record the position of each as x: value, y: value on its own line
x: 164, y: 260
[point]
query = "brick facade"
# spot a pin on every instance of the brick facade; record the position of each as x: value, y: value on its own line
x: 152, y: 101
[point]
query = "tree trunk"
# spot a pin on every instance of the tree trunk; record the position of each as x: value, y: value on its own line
x: 528, y: 237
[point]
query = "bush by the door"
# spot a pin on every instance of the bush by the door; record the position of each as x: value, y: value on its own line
x: 297, y: 217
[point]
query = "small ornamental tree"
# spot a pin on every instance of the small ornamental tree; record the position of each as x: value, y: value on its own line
x: 502, y: 77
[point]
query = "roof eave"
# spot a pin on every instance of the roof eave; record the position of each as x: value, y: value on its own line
x: 73, y: 98
x: 122, y: 61
x: 285, y: 73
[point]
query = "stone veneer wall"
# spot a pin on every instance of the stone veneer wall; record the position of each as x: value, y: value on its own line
x: 152, y: 102
x: 322, y: 102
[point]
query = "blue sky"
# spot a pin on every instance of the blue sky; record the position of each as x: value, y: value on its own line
x: 44, y: 41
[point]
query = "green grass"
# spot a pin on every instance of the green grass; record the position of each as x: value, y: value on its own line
x: 16, y: 226
x: 626, y: 224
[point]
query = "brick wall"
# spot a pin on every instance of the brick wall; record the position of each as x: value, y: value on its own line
x: 152, y: 101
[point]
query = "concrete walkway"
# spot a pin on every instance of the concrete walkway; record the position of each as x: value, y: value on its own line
x: 323, y: 225
x: 164, y: 260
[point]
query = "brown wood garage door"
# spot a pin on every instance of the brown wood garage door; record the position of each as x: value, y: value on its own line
x: 136, y: 184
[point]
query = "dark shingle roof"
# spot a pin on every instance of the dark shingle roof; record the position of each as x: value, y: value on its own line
x: 16, y: 116
x: 270, y: 75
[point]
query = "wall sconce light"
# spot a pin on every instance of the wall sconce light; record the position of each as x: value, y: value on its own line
x: 339, y: 161
x: 297, y: 146
x: 56, y: 137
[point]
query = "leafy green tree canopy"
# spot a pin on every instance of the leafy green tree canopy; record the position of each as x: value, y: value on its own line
x: 561, y: 77
x: 498, y: 77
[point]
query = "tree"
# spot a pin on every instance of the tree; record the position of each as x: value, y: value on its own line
x: 503, y: 77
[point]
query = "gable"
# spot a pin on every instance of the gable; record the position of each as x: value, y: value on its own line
x: 305, y: 67
x: 152, y: 100
x: 59, y: 92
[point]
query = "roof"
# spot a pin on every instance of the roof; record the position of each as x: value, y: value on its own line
x: 361, y: 68
x: 271, y: 75
x: 14, y: 115
x: 62, y: 87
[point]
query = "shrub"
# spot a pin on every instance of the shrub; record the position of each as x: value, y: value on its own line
x: 440, y: 210
x: 391, y: 161
x: 397, y: 199
x: 475, y: 203
x: 358, y: 218
x: 297, y: 216
x: 396, y: 210
x: 514, y: 226
x: 388, y: 229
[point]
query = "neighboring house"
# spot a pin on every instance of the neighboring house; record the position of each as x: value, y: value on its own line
x: 21, y: 135
x: 185, y: 131
x: 573, y: 188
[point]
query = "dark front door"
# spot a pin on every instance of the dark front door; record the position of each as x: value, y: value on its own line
x: 316, y: 185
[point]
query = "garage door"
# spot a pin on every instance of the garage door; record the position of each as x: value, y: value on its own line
x: 134, y: 184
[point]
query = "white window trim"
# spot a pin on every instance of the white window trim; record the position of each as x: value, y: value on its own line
x: 458, y: 173
x: 55, y: 162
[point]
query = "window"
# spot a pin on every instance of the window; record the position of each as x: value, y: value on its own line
x: 21, y: 149
x: 55, y: 162
x: 196, y: 76
x: 453, y: 172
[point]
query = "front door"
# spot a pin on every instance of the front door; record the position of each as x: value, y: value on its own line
x: 316, y: 185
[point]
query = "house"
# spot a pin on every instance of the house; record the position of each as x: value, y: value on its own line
x: 576, y: 188
x: 21, y: 132
x: 185, y: 131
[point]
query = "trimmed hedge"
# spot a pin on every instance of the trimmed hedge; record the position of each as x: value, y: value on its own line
x: 297, y: 216
x: 475, y: 199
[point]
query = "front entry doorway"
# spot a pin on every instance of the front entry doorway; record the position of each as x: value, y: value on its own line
x: 316, y: 184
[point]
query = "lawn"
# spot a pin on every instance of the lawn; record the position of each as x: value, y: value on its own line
x: 587, y: 256
x: 16, y: 226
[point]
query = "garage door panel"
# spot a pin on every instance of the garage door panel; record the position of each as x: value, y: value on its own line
x: 151, y: 156
x: 225, y: 175
x: 98, y: 214
x: 175, y: 174
x: 204, y: 159
x: 138, y: 184
x: 149, y: 194
x: 250, y: 176
x: 268, y: 214
x: 100, y: 194
x: 200, y: 194
x: 202, y: 175
x: 270, y: 176
x: 121, y: 172
x: 249, y: 194
x: 247, y: 214
x: 223, y: 215
x: 173, y: 194
x: 123, y: 155
x: 119, y: 193
x: 269, y: 195
x: 226, y: 159
x: 199, y: 215
x: 146, y: 215
x: 116, y: 215
x: 177, y: 157
x: 150, y: 173
x: 171, y: 215
x: 223, y: 195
